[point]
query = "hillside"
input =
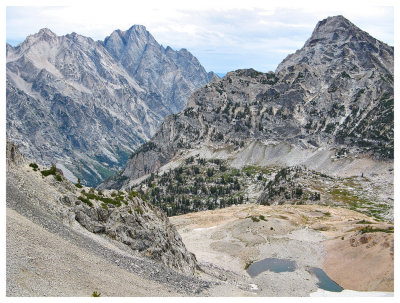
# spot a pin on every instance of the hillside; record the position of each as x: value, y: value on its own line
x: 117, y: 229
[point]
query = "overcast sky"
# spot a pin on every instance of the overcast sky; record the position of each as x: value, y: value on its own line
x: 223, y: 35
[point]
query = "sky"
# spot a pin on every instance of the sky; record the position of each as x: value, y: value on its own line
x: 223, y: 35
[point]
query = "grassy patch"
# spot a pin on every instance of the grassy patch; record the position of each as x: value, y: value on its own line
x: 343, y: 195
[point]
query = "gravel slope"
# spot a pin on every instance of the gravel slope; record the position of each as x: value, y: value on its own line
x: 48, y: 265
x: 49, y: 256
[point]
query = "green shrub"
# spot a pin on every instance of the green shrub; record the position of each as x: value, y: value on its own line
x: 79, y: 185
x: 51, y: 171
x: 59, y: 178
x: 248, y: 264
x: 96, y: 294
x: 262, y: 218
x: 255, y: 219
x: 34, y: 166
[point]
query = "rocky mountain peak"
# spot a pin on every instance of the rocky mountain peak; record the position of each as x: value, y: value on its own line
x: 338, y: 44
x: 136, y: 34
x: 331, y: 28
x: 139, y: 29
x: 46, y: 33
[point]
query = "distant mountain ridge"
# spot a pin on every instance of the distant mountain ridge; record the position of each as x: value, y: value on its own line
x: 333, y: 98
x: 86, y: 105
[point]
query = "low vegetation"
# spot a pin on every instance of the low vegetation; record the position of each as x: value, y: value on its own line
x: 34, y: 166
x: 370, y: 229
x: 248, y: 264
x: 258, y: 219
x: 51, y: 171
x: 48, y: 172
x: 364, y: 222
x: 96, y: 294
x: 78, y: 184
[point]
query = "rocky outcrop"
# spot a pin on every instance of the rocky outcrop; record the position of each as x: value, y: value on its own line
x: 122, y: 218
x: 85, y: 105
x: 139, y: 225
x: 13, y: 155
x: 336, y: 93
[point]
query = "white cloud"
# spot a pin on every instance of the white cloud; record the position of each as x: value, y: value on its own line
x: 236, y: 33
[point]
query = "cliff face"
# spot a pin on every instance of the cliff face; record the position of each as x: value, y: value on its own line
x: 87, y: 105
x: 334, y: 94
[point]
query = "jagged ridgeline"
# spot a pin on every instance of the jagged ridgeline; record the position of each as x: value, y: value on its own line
x: 333, y: 96
x: 85, y: 105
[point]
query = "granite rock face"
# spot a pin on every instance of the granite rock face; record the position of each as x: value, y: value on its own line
x: 334, y: 93
x: 86, y: 105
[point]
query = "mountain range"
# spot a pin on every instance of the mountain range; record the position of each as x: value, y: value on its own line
x: 328, y: 106
x: 319, y: 130
x: 86, y: 105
